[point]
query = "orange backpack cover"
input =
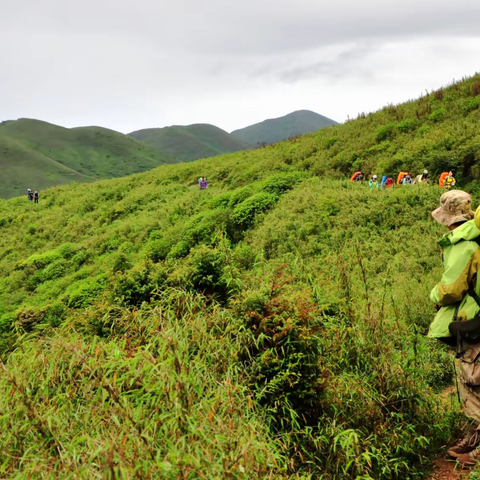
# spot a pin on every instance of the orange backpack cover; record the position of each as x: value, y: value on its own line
x: 442, y: 178
x: 354, y: 175
x: 400, y: 177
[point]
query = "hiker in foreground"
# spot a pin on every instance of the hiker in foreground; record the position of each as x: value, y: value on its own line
x: 457, y: 296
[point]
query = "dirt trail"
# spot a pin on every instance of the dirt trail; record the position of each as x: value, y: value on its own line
x: 448, y: 470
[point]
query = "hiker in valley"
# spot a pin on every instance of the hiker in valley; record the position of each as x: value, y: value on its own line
x: 457, y: 295
x: 29, y: 194
x: 373, y: 183
x: 35, y: 196
x: 203, y: 183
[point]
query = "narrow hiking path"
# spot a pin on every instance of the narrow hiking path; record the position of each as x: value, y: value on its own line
x: 448, y: 470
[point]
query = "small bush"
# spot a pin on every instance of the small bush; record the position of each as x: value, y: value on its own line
x: 279, y: 184
x: 438, y: 115
x: 407, y: 125
x: 55, y: 270
x: 81, y: 257
x: 385, y: 132
x: 244, y: 213
x: 157, y: 250
x: 82, y: 293
x: 471, y: 104
x: 121, y: 263
x: 39, y: 261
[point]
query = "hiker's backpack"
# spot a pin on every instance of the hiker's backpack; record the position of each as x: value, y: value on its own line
x: 467, y: 331
x: 400, y: 177
x: 354, y: 176
x: 442, y: 179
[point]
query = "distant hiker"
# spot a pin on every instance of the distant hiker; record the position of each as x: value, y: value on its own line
x: 200, y: 181
x: 35, y: 196
x: 400, y: 177
x: 357, y: 177
x: 389, y: 182
x: 373, y: 183
x: 457, y: 295
x: 407, y: 179
x: 422, y: 178
x: 383, y: 183
x: 449, y: 181
x: 29, y: 195
x: 203, y: 184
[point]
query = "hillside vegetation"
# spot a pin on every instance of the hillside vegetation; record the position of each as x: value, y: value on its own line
x: 271, y: 326
x: 38, y: 155
x: 190, y: 142
x: 278, y: 129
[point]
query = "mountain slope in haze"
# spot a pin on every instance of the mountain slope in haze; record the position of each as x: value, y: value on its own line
x: 191, y: 142
x: 38, y: 155
x: 277, y: 129
x: 271, y: 324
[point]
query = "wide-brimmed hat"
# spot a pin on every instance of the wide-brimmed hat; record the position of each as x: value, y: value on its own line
x: 455, y: 206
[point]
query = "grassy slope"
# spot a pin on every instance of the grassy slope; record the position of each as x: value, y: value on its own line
x: 39, y: 155
x: 190, y: 142
x: 278, y: 129
x: 271, y: 325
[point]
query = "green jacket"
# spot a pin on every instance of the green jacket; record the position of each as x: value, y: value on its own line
x: 461, y: 260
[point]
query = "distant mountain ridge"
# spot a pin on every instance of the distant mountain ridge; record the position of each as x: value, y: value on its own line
x: 190, y: 142
x: 278, y: 129
x: 38, y: 155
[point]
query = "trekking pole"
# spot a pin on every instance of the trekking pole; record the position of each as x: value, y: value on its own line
x: 456, y: 381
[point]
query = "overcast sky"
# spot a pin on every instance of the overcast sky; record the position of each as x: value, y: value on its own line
x: 128, y: 65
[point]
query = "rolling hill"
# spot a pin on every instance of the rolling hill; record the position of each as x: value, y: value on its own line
x: 39, y: 155
x: 190, y: 142
x: 278, y: 129
x: 268, y: 327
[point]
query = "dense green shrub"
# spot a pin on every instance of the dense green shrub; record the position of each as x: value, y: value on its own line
x: 471, y: 104
x: 82, y: 293
x: 39, y: 261
x: 385, y: 132
x: 55, y: 270
x: 438, y: 115
x: 157, y: 250
x: 407, y: 125
x: 244, y: 213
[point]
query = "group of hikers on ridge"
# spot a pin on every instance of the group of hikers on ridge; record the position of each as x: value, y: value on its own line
x: 32, y: 195
x: 446, y: 180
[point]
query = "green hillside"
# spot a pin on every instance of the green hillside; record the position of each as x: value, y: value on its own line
x: 278, y: 129
x: 190, y: 142
x: 271, y: 326
x: 38, y: 155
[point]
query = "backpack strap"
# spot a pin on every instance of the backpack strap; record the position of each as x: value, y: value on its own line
x: 472, y: 292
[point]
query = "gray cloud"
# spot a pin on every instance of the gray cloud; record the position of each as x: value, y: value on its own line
x: 130, y: 65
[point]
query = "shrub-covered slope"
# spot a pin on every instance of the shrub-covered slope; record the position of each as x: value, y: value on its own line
x: 439, y: 131
x: 270, y: 326
x: 191, y: 142
x: 278, y: 129
x: 39, y: 155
